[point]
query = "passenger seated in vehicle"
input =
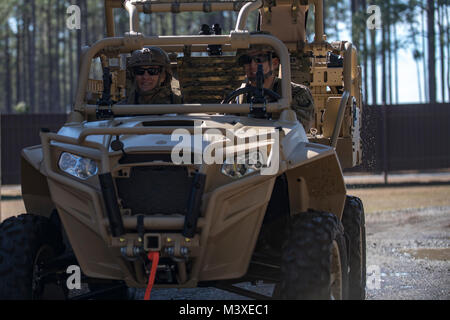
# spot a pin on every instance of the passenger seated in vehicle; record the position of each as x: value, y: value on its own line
x: 302, y: 100
x: 150, y: 68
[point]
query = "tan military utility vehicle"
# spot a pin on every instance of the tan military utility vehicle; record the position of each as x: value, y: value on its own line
x: 202, y: 193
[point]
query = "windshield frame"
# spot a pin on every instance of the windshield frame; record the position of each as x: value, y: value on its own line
x: 235, y: 40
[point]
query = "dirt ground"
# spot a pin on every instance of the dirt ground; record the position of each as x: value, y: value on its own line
x: 410, y: 250
x: 408, y: 258
x: 398, y: 198
x: 408, y: 244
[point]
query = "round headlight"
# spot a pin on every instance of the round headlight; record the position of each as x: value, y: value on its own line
x: 242, y: 165
x: 67, y: 161
x: 82, y: 168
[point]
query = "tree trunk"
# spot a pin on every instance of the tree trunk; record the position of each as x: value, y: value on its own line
x: 221, y: 19
x: 355, y: 26
x: 151, y: 17
x: 417, y: 58
x: 162, y: 24
x: 441, y: 8
x: 373, y: 61
x: 32, y: 58
x: 174, y: 23
x: 365, y: 63
x: 231, y: 19
x: 18, y: 74
x: 41, y: 65
x: 425, y: 72
x: 79, y: 44
x: 102, y: 33
x: 7, y: 80
x: 336, y: 18
x: 431, y: 51
x: 57, y: 60
x: 396, y: 63
x: 84, y: 22
x: 50, y: 58
x: 71, y: 71
x: 25, y: 52
x: 448, y: 50
x: 389, y: 49
x: 383, y: 63
x: 211, y: 19
x: 65, y: 70
x: 191, y: 22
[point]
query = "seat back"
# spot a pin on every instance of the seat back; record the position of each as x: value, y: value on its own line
x: 208, y: 79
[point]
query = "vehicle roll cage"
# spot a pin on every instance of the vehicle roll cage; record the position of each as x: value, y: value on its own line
x: 243, y: 6
x: 237, y: 39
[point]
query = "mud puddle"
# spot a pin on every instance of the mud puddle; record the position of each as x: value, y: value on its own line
x: 441, y: 254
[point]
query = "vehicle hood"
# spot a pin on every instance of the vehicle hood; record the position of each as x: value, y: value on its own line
x: 204, y: 134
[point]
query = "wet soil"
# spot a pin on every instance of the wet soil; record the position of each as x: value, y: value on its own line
x: 410, y: 248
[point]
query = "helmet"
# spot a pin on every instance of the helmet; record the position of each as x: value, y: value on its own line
x: 149, y: 56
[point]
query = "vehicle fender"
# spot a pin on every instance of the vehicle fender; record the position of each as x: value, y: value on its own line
x: 315, y: 179
x: 35, y: 191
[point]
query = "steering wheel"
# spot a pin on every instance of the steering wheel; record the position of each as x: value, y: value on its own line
x: 253, y: 92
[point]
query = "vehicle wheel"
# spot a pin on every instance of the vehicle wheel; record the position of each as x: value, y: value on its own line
x: 355, y: 231
x: 26, y: 243
x: 314, y: 258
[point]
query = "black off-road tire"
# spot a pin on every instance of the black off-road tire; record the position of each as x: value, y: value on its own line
x: 313, y: 238
x: 22, y: 240
x: 355, y: 231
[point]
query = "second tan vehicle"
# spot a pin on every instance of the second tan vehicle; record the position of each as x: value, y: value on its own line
x: 202, y: 193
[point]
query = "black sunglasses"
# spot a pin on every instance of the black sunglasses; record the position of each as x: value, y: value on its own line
x: 151, y: 71
x: 260, y: 58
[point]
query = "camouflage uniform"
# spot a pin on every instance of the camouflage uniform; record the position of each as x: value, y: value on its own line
x: 302, y: 102
x: 159, y: 95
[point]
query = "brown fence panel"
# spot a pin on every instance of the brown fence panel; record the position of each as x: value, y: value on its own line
x: 418, y: 137
x: 19, y: 131
x: 394, y: 137
x: 405, y: 137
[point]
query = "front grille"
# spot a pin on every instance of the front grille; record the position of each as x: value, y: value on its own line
x: 155, y: 190
x: 138, y: 157
x: 130, y: 158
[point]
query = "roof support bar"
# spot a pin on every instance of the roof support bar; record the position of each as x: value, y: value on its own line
x: 244, y: 12
x: 135, y: 6
x: 235, y: 39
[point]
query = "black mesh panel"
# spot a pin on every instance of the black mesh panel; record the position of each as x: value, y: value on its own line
x: 155, y: 190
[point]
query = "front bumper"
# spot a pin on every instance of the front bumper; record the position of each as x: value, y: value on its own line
x: 218, y: 245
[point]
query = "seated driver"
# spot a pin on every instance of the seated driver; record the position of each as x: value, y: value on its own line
x: 302, y: 100
x: 151, y: 72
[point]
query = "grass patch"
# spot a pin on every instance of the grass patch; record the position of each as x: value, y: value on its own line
x: 396, y: 198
